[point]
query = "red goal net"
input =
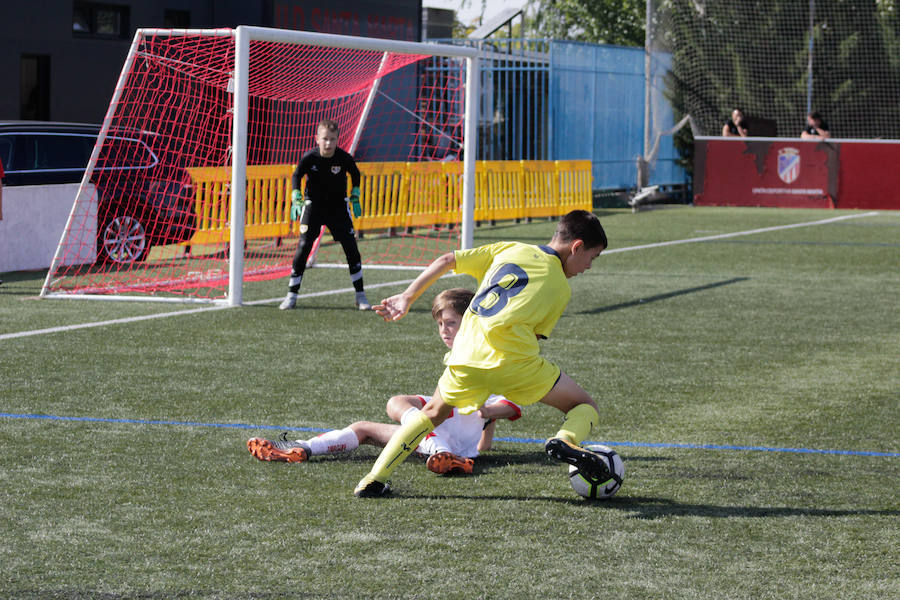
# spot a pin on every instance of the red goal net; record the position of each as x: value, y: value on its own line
x: 152, y: 217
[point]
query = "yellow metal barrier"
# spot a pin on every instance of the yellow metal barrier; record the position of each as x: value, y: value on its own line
x: 573, y: 180
x: 397, y: 195
x: 540, y: 192
x: 383, y: 196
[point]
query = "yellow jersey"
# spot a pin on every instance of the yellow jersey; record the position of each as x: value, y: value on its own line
x: 522, y: 292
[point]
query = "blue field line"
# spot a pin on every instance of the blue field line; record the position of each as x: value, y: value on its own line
x: 515, y: 440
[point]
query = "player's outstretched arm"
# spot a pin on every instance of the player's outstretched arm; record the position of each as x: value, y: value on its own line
x: 396, y: 307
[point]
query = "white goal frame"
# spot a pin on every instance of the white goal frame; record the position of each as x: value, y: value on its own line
x: 242, y: 36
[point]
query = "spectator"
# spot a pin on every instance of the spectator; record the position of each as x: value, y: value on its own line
x: 735, y: 127
x: 816, y: 127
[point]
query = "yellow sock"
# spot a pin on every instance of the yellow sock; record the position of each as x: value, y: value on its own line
x: 400, y: 446
x: 578, y: 424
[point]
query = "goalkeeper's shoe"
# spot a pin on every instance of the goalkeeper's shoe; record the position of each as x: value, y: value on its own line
x: 371, y: 488
x: 447, y: 463
x: 590, y: 464
x: 289, y: 302
x: 362, y: 303
x: 279, y: 450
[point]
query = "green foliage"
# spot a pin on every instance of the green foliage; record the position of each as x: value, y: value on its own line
x: 785, y: 338
x: 619, y: 22
x: 756, y: 56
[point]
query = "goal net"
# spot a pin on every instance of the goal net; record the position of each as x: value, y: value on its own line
x: 204, y: 130
x: 776, y: 61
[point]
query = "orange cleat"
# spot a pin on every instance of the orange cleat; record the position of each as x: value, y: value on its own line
x: 278, y: 450
x: 447, y: 463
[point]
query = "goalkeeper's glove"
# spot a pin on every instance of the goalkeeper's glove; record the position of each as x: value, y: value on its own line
x: 354, y: 202
x: 296, y: 205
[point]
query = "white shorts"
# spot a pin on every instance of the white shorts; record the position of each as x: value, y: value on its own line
x: 458, y: 434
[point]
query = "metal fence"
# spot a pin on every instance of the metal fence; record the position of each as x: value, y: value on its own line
x: 555, y: 100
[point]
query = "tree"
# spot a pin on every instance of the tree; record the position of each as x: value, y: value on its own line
x: 619, y: 22
x: 756, y: 55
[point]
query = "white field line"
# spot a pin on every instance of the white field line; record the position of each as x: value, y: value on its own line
x: 21, y: 334
x: 740, y: 233
x: 9, y: 336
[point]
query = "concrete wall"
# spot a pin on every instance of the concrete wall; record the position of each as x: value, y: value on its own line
x: 34, y: 217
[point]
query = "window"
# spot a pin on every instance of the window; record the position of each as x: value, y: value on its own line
x: 34, y: 87
x: 5, y: 151
x: 90, y: 19
x: 177, y: 19
x: 128, y: 151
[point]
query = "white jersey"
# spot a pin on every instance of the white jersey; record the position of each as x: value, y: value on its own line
x: 459, y: 433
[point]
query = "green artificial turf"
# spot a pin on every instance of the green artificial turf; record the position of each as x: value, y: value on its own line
x: 751, y: 384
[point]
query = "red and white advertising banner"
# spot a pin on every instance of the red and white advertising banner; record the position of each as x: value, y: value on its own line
x: 765, y: 172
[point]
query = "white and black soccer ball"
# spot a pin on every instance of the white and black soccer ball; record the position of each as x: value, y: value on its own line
x: 594, y: 487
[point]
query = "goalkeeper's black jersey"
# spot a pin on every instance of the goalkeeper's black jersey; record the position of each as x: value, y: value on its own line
x: 326, y: 178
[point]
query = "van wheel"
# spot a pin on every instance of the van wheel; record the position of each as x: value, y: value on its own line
x: 122, y: 239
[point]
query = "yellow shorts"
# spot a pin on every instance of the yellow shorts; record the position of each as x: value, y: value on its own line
x: 523, y: 382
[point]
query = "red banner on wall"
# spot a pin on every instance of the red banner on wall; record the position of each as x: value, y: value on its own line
x: 765, y: 172
x: 870, y: 175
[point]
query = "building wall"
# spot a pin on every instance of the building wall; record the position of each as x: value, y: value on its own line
x: 84, y: 70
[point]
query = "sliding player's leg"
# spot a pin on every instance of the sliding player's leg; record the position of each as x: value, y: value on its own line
x: 581, y: 417
x: 336, y: 441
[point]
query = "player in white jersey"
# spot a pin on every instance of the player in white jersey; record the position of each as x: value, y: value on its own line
x: 450, y: 448
x: 463, y: 435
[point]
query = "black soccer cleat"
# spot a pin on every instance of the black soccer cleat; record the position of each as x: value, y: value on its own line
x: 371, y: 488
x: 591, y: 464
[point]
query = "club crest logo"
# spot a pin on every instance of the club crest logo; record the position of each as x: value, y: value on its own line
x: 788, y: 164
x: 303, y: 227
x: 336, y: 169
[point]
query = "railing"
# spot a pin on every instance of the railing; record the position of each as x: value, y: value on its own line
x: 398, y: 195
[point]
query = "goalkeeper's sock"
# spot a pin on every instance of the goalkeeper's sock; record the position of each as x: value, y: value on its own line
x: 400, y: 446
x: 578, y: 424
x: 334, y: 442
x: 357, y: 280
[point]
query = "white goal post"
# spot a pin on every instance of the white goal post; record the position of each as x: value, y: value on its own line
x: 243, y: 36
x: 239, y: 90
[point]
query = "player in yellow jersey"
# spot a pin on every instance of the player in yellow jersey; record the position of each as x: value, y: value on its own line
x: 522, y: 291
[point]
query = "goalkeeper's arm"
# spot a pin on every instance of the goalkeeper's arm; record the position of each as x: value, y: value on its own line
x: 355, y: 179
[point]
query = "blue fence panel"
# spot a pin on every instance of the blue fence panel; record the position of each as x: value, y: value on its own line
x: 558, y: 100
x: 597, y: 95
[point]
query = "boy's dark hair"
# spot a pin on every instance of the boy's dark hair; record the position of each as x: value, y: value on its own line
x: 815, y: 115
x: 456, y: 299
x: 581, y: 225
x: 328, y: 124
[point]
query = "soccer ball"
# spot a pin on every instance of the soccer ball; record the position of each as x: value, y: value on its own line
x: 595, y: 487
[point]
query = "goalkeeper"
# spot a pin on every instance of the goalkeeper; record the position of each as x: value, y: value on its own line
x: 449, y: 449
x: 326, y: 168
x: 523, y: 290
